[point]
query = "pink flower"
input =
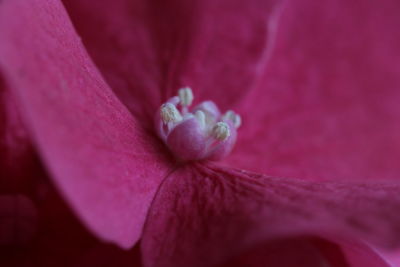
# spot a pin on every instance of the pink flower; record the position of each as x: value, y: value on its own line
x: 316, y: 84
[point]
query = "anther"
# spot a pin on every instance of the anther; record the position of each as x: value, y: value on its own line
x: 221, y: 131
x: 169, y: 113
x: 233, y: 117
x: 185, y: 96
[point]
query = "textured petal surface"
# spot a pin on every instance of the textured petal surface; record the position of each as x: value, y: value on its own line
x: 205, y: 215
x: 326, y: 75
x: 327, y: 106
x: 148, y: 49
x: 99, y: 157
x: 119, y: 39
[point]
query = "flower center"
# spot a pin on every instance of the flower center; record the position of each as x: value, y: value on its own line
x: 197, y: 133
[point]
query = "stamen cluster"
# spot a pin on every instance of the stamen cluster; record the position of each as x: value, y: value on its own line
x: 198, y: 133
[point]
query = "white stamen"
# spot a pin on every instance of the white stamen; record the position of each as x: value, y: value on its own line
x: 196, y: 133
x: 233, y: 117
x: 169, y: 113
x: 186, y: 96
x: 221, y: 131
x: 201, y: 117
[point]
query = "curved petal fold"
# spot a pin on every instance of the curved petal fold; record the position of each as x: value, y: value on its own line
x: 147, y: 50
x: 99, y: 157
x: 205, y: 215
x: 118, y: 38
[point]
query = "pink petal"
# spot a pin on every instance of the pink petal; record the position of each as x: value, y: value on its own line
x: 142, y: 47
x: 328, y: 104
x: 99, y: 157
x: 118, y: 38
x: 392, y: 257
x: 203, y: 216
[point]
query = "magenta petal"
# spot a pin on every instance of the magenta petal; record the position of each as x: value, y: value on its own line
x: 118, y: 37
x: 147, y: 46
x: 328, y: 104
x: 392, y: 257
x: 219, y: 48
x: 104, y: 164
x: 203, y: 216
x: 349, y: 253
